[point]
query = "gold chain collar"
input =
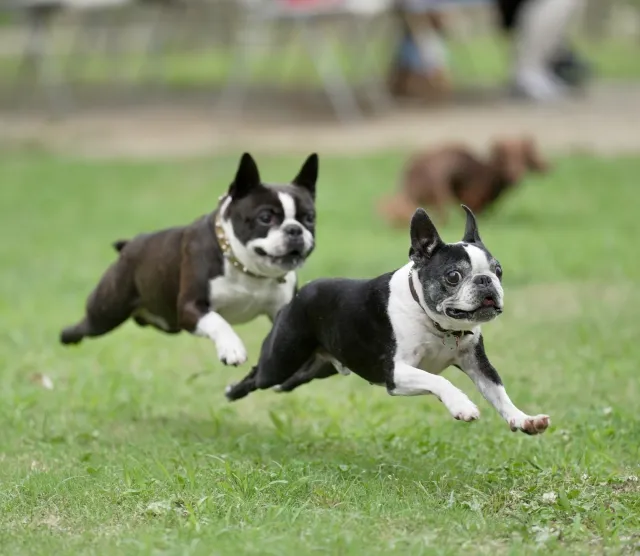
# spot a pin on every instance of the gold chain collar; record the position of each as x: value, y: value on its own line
x: 223, y: 241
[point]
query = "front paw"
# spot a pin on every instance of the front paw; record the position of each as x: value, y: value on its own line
x: 231, y: 350
x: 461, y: 407
x: 530, y: 425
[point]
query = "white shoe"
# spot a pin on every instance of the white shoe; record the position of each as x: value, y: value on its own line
x: 539, y: 86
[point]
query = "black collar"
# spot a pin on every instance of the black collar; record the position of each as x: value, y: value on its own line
x: 457, y: 334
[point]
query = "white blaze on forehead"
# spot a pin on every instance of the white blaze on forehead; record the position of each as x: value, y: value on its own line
x: 479, y: 259
x: 288, y: 205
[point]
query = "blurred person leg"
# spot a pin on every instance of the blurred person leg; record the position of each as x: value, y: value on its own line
x: 544, y: 63
x: 420, y: 63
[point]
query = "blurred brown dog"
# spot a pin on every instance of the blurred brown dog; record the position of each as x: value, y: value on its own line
x: 437, y: 177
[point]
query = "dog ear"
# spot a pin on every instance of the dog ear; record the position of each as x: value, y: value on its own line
x: 247, y: 177
x: 308, y: 175
x: 424, y: 237
x: 471, y: 234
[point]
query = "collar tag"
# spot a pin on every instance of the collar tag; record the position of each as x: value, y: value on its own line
x: 451, y: 341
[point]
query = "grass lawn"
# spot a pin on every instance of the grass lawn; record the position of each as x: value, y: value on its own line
x: 134, y: 452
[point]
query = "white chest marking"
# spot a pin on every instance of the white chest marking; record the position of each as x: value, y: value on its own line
x: 239, y: 298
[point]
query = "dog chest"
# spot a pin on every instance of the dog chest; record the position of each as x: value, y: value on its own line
x: 239, y: 298
x: 436, y: 356
x: 425, y: 351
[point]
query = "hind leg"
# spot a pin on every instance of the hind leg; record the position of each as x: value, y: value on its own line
x: 109, y: 305
x: 275, y: 367
x: 243, y: 388
x: 286, y: 349
x: 315, y: 369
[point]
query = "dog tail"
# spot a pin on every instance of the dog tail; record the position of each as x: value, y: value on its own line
x: 120, y: 244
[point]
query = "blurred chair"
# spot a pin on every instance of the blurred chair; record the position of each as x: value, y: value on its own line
x: 254, y: 38
x: 38, y: 54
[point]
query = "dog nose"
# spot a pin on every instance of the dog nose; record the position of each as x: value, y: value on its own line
x: 293, y: 230
x: 482, y: 280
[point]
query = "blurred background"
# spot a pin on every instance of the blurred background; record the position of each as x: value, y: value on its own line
x: 156, y: 77
x: 119, y: 117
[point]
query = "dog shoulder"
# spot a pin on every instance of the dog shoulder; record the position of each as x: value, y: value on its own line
x: 199, y: 243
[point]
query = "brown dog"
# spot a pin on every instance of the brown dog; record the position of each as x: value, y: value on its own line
x: 437, y: 177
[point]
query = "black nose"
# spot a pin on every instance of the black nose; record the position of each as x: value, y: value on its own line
x: 482, y: 280
x: 293, y: 230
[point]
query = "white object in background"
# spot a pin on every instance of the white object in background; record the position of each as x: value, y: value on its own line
x: 540, y: 34
x: 368, y: 7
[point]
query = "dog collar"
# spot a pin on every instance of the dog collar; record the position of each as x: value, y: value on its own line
x: 451, y: 338
x: 228, y: 253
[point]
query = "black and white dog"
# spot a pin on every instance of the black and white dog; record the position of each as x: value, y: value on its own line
x: 399, y: 330
x: 227, y: 267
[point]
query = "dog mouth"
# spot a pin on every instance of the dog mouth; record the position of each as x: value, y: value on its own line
x: 487, y: 309
x: 292, y: 258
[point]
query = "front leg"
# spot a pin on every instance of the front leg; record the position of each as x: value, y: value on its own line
x: 409, y: 381
x: 231, y: 350
x: 194, y: 310
x: 475, y: 364
x: 209, y: 324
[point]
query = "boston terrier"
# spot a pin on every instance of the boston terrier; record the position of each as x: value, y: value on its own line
x: 227, y: 267
x: 399, y: 330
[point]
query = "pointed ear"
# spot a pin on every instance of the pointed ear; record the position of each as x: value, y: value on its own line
x: 424, y: 237
x: 247, y: 177
x: 471, y: 234
x: 308, y: 175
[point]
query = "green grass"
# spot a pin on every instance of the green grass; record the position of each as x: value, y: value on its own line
x: 133, y: 452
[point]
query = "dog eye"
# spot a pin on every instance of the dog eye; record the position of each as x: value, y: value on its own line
x: 308, y: 219
x: 265, y: 217
x: 499, y: 272
x: 453, y: 277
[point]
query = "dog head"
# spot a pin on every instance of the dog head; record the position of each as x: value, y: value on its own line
x: 270, y: 228
x: 513, y: 158
x: 461, y: 282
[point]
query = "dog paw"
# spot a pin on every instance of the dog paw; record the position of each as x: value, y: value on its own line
x: 229, y: 393
x: 462, y: 408
x: 530, y: 425
x: 277, y: 388
x: 231, y: 351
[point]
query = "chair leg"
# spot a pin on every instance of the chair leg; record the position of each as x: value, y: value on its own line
x: 83, y: 44
x: 244, y: 52
x: 151, y: 67
x: 39, y: 57
x: 367, y: 63
x: 328, y: 68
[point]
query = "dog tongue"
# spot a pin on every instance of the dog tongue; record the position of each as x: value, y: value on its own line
x: 488, y: 302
